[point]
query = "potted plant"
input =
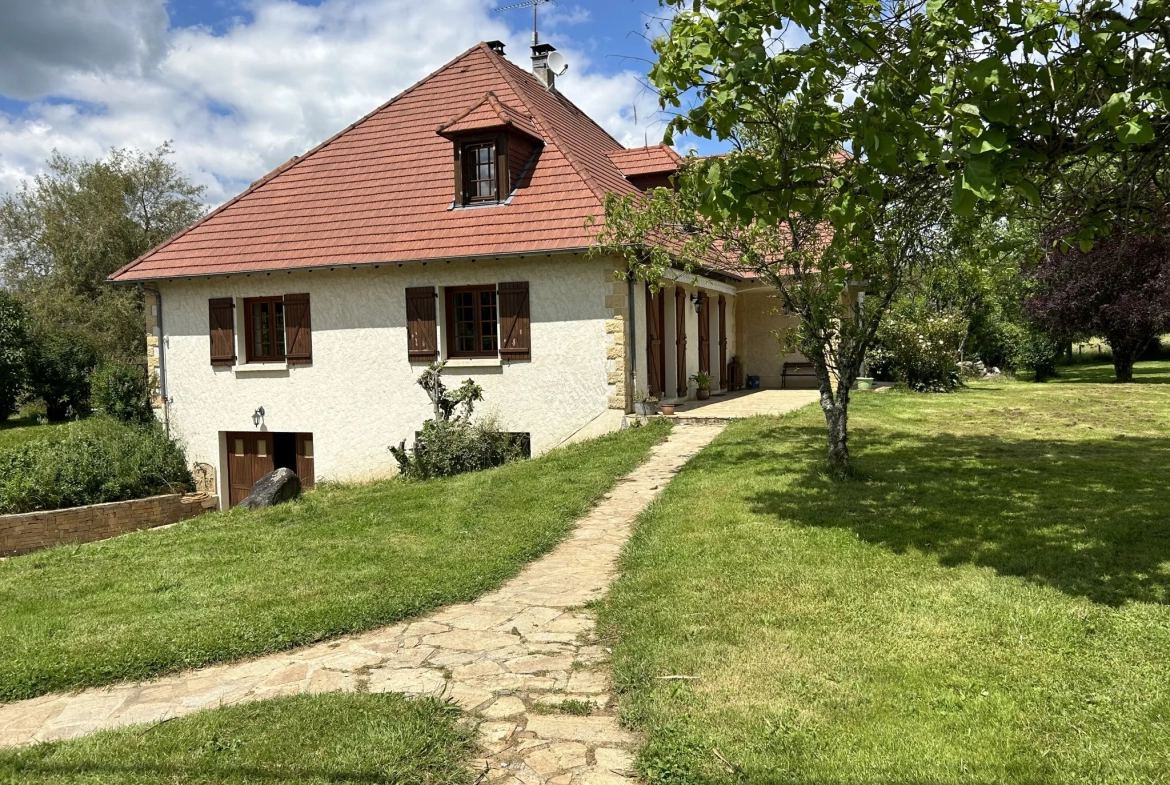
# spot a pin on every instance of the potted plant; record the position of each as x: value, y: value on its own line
x: 865, y: 382
x: 644, y: 405
x: 702, y: 381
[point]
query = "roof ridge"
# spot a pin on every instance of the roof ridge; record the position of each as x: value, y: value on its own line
x: 537, y: 115
x: 256, y: 184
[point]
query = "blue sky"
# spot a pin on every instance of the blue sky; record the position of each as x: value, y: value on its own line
x: 239, y: 86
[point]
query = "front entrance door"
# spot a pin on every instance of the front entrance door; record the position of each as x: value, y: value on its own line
x: 252, y: 455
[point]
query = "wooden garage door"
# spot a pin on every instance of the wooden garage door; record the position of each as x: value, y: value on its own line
x: 249, y: 459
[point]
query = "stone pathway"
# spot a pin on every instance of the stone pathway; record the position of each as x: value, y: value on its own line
x: 511, y: 657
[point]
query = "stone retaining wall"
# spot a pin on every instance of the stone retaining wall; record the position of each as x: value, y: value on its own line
x: 31, y: 531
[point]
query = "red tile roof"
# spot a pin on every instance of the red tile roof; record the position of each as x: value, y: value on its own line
x: 658, y: 159
x: 382, y: 189
x: 487, y: 113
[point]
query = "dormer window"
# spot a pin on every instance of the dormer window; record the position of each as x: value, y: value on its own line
x: 480, y: 180
x: 495, y: 146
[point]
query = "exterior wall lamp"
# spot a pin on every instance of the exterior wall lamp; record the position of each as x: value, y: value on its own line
x: 698, y: 301
x: 257, y: 416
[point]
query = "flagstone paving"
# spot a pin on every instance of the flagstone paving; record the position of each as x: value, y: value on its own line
x: 510, y: 657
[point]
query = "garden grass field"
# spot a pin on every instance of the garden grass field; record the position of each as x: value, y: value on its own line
x: 16, y: 431
x: 241, y: 583
x: 303, y: 740
x: 986, y: 603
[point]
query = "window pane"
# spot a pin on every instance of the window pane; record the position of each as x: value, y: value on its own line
x: 481, y: 170
x: 239, y: 447
x: 259, y: 329
x: 278, y: 332
x: 487, y: 319
x: 464, y: 321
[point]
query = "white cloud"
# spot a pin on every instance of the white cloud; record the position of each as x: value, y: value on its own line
x: 44, y: 40
x: 239, y: 103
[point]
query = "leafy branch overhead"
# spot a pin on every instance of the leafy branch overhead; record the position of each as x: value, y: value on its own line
x: 997, y: 97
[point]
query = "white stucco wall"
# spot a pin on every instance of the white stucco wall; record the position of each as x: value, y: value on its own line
x: 359, y: 395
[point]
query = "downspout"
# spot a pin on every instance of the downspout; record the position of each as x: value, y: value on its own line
x: 162, y: 360
x: 633, y: 344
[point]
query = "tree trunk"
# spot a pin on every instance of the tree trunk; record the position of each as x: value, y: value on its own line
x: 837, y: 418
x: 1123, y: 365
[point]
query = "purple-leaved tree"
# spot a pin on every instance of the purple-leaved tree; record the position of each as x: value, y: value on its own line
x: 1118, y: 290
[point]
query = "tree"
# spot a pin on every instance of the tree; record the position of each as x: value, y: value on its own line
x: 1118, y: 289
x: 13, y: 354
x: 63, y: 234
x: 60, y: 367
x: 817, y: 273
x: 992, y: 100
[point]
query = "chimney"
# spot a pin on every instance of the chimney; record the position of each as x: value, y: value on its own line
x: 540, y: 69
x: 497, y: 47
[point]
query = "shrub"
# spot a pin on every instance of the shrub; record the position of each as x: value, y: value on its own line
x: 447, y: 447
x: 1039, y: 353
x: 921, y: 349
x: 451, y: 443
x: 98, y: 460
x: 61, y: 364
x: 13, y: 354
x: 122, y: 391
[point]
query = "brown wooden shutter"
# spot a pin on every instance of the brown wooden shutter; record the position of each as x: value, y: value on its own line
x: 515, y: 325
x: 422, y: 337
x: 704, y: 333
x: 722, y: 343
x: 680, y: 340
x: 298, y: 330
x: 655, y: 344
x: 222, y: 327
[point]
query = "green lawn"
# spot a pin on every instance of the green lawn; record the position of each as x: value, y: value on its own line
x: 240, y: 583
x: 18, y: 430
x: 305, y: 739
x: 986, y: 604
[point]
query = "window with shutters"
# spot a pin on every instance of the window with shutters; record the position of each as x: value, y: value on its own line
x: 265, y: 329
x: 275, y: 329
x: 472, y: 322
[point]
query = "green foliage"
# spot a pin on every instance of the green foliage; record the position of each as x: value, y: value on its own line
x: 998, y: 99
x: 63, y: 234
x: 702, y: 380
x: 295, y: 740
x: 1038, y: 352
x: 447, y: 447
x: 13, y: 354
x: 122, y: 391
x: 451, y: 443
x: 96, y: 460
x: 59, y: 372
x: 921, y: 348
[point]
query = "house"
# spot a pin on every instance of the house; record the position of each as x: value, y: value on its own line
x: 288, y: 327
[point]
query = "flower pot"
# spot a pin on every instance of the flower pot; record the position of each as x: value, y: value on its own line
x: 641, y: 408
x: 703, y: 393
x: 865, y: 382
x: 668, y: 408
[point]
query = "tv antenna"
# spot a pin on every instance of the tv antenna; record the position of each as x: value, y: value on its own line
x: 533, y: 4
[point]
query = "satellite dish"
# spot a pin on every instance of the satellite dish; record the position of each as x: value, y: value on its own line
x: 556, y: 63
